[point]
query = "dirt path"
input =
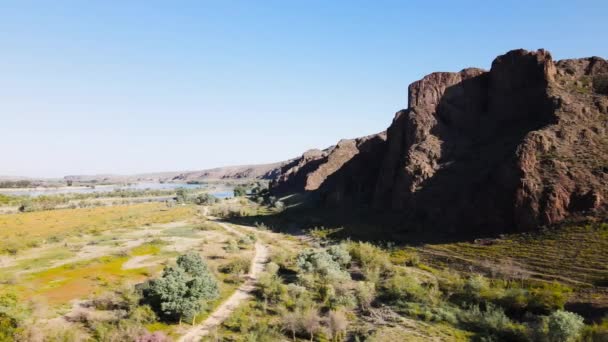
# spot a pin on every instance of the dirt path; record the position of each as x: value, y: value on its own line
x: 223, y: 311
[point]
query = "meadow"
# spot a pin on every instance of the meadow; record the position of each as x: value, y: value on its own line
x: 57, y: 263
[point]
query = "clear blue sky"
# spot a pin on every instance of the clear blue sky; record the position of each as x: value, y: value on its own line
x: 138, y: 86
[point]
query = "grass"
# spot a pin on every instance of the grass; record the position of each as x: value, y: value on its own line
x: 26, y: 230
x: 61, y: 284
x: 575, y: 254
x: 146, y: 249
x: 46, y: 259
x: 185, y: 231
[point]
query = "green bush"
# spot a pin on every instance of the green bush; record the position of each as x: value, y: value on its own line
x: 237, y: 266
x: 564, y: 326
x: 372, y: 259
x: 232, y: 246
x: 205, y: 199
x: 339, y: 253
x: 491, y: 324
x: 321, y: 264
x: 548, y: 297
x: 400, y: 287
x: 596, y: 332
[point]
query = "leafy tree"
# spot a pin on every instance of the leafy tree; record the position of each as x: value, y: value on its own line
x: 311, y: 322
x: 564, y: 326
x: 182, y: 289
x: 182, y: 195
x: 192, y: 263
x: 337, y: 323
x: 205, y: 199
x: 240, y: 191
x: 291, y: 321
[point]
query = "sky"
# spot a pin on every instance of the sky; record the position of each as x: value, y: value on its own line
x: 122, y: 87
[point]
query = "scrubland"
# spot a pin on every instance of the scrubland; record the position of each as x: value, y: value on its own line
x: 151, y: 272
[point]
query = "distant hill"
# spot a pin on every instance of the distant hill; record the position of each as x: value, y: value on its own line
x: 241, y: 172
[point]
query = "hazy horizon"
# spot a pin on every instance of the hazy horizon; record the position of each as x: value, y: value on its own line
x: 129, y: 88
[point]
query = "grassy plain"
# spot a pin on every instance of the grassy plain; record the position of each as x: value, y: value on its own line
x: 26, y: 230
x: 67, y: 256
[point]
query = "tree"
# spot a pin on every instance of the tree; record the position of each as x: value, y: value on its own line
x: 564, y: 326
x: 311, y: 322
x: 291, y: 321
x: 182, y: 195
x: 240, y: 191
x: 205, y: 199
x: 182, y: 289
x: 365, y: 293
x: 337, y: 323
x: 192, y: 263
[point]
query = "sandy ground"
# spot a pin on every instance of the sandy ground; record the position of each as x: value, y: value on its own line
x: 222, y: 312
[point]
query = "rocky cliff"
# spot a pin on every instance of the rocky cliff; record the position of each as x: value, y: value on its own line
x: 514, y: 148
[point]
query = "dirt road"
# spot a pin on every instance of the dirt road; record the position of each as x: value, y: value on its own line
x: 224, y: 311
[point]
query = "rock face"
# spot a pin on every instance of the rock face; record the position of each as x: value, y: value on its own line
x: 342, y: 173
x: 514, y: 148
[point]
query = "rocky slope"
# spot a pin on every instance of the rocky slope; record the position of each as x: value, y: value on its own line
x: 514, y: 148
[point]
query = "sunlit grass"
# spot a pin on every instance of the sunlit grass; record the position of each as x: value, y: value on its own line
x: 61, y: 284
x: 579, y: 253
x: 23, y: 230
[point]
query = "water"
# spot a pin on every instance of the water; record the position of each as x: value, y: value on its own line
x: 223, y: 192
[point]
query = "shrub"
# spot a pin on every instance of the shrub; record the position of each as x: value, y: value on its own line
x: 339, y: 253
x: 311, y: 322
x: 429, y: 313
x: 337, y: 322
x: 492, y: 323
x: 143, y: 315
x: 232, y: 247
x: 240, y: 191
x: 564, y: 326
x: 596, y: 332
x: 404, y: 257
x: 320, y: 263
x: 404, y: 287
x: 237, y: 266
x: 369, y: 257
x: 205, y: 199
x: 365, y: 292
x: 475, y: 287
x: 549, y: 297
x: 247, y: 239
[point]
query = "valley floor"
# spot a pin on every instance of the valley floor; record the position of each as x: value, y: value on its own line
x: 76, y: 275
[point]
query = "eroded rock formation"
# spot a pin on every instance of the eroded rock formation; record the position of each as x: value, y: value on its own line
x: 514, y: 148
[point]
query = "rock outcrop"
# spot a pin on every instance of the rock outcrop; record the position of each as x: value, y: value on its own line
x: 341, y: 172
x: 514, y: 148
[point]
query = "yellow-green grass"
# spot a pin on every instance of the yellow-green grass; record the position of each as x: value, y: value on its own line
x: 19, y: 231
x: 146, y: 249
x: 576, y: 254
x: 61, y: 284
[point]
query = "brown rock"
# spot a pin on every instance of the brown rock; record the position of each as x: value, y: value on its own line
x: 514, y: 148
